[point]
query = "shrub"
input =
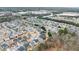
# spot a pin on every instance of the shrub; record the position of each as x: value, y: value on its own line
x: 39, y: 17
x: 43, y: 28
x: 42, y: 47
x: 73, y: 34
x: 63, y: 31
x: 49, y: 34
x: 36, y: 24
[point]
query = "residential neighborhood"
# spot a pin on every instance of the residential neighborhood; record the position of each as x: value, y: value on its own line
x: 39, y: 29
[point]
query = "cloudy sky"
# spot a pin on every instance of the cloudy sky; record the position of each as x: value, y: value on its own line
x: 39, y: 3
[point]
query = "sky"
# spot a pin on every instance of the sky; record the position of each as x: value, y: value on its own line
x: 39, y: 3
